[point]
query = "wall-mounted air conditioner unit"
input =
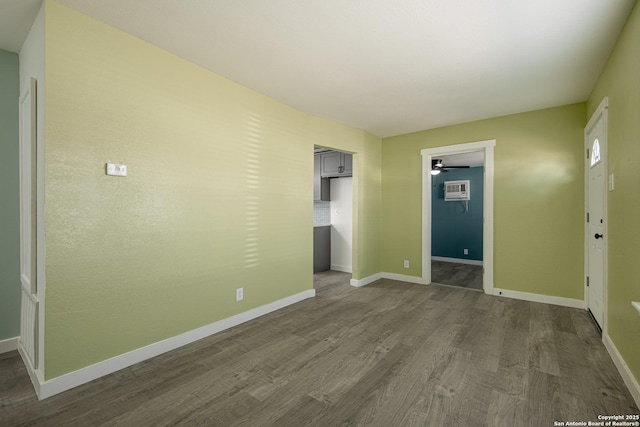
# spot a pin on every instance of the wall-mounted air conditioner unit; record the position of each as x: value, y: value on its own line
x: 457, y: 190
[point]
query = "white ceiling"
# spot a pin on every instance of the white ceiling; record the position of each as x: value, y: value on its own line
x: 390, y: 67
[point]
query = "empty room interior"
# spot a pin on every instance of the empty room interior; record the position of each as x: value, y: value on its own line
x: 319, y: 213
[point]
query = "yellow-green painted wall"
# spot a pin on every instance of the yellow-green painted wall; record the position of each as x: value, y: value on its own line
x: 620, y: 81
x: 538, y: 209
x: 10, y: 292
x: 218, y: 194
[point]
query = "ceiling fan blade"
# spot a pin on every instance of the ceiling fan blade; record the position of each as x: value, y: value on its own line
x: 456, y: 167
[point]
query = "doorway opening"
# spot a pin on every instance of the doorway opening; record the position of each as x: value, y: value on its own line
x: 332, y: 217
x: 457, y: 212
x: 484, y: 149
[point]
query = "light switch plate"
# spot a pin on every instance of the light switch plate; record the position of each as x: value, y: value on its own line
x: 115, y: 169
x: 611, y: 183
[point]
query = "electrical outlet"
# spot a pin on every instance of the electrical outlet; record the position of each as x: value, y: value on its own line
x: 406, y: 263
x: 466, y: 251
x: 239, y: 294
x: 115, y: 169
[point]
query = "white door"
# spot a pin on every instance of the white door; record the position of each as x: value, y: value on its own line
x: 28, y: 193
x: 596, y: 141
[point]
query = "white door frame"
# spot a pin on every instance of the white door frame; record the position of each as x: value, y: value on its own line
x: 29, y: 344
x: 487, y: 147
x: 601, y: 111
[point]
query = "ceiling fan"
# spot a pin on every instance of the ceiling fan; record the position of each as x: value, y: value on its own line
x: 438, y: 166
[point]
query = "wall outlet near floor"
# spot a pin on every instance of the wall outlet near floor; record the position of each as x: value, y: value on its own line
x: 406, y: 263
x: 239, y: 294
x: 466, y: 251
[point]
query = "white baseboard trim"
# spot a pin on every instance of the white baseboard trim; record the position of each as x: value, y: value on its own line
x: 625, y: 372
x: 90, y: 373
x: 403, y: 278
x: 34, y: 375
x: 358, y: 283
x: 456, y: 260
x: 546, y: 299
x: 9, y: 344
x: 343, y: 268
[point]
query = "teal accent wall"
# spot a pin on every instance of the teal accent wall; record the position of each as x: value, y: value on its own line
x: 457, y: 225
x: 9, y: 197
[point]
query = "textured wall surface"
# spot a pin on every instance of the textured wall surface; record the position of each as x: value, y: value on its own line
x: 10, y: 197
x: 538, y: 204
x: 218, y: 194
x: 620, y: 81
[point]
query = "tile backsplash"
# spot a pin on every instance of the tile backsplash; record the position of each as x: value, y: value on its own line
x: 321, y: 213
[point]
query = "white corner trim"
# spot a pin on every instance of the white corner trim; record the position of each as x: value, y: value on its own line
x: 9, y: 344
x: 343, y: 268
x: 384, y: 275
x: 100, y: 369
x: 403, y: 278
x: 456, y: 260
x: 625, y: 372
x: 546, y: 299
x: 35, y: 376
x: 636, y: 305
x: 358, y: 283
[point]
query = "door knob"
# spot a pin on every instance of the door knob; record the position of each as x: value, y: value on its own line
x: 598, y: 236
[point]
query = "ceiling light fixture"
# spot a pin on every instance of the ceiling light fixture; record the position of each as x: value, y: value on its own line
x: 436, y: 166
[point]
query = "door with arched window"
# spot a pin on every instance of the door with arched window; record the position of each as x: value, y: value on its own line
x: 596, y: 235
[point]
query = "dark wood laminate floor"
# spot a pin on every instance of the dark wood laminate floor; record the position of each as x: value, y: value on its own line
x: 329, y: 278
x: 388, y: 354
x: 455, y: 274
